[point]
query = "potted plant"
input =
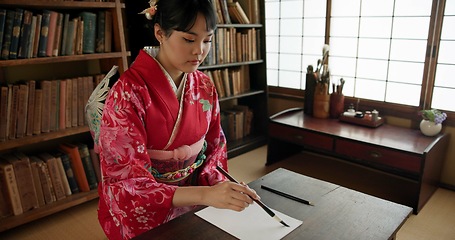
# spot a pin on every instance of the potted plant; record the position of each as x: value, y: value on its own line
x: 431, y: 123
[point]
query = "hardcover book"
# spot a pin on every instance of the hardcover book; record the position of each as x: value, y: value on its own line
x: 68, y: 170
x: 88, y: 165
x: 89, y: 32
x: 54, y: 173
x: 52, y: 29
x: 7, y: 33
x: 45, y: 178
x: 3, y: 112
x: 100, y: 32
x: 58, y: 36
x: 22, y: 111
x: 31, y: 107
x: 15, y: 35
x: 24, y: 179
x: 77, y: 165
x: 46, y: 105
x: 24, y: 40
x: 44, y: 33
x: 13, y: 112
x: 37, y: 110
x: 37, y: 183
x: 2, y: 27
x: 39, y: 18
x: 10, y: 185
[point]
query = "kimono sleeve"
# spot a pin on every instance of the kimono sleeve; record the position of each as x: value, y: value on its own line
x: 129, y: 193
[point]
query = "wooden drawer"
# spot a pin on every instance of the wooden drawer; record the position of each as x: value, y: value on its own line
x: 379, y: 155
x: 301, y: 137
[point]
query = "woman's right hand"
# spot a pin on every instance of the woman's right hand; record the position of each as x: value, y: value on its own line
x: 229, y: 195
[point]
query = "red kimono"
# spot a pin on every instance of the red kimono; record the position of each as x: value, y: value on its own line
x: 143, y: 122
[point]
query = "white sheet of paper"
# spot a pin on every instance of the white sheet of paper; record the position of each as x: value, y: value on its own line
x: 251, y: 223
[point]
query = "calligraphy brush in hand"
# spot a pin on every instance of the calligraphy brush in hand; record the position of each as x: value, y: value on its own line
x: 263, y: 206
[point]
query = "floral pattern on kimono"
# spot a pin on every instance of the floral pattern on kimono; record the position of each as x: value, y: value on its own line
x: 140, y: 113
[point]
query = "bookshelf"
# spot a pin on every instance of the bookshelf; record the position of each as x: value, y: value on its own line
x: 254, y: 69
x: 13, y: 71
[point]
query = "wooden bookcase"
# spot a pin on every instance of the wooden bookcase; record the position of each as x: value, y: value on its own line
x: 255, y: 98
x: 59, y: 67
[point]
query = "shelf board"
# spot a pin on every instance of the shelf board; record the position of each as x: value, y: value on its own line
x: 72, y: 58
x: 55, y: 207
x: 58, y: 5
x: 242, y: 95
x: 238, y: 25
x: 235, y: 64
x: 13, y: 143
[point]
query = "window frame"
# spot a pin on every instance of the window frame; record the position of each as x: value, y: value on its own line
x: 394, y: 109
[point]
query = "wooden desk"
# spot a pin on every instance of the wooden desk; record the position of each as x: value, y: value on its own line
x: 401, y: 164
x: 338, y: 212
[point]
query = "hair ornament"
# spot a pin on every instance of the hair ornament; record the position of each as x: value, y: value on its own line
x: 150, y: 12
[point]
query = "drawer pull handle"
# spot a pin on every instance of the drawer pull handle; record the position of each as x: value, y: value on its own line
x: 375, y: 154
x: 299, y: 137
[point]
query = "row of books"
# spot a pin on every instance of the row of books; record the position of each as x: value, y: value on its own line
x: 32, y: 181
x: 234, y: 45
x: 236, y: 122
x: 28, y: 34
x: 230, y: 81
x: 35, y: 107
x: 237, y: 11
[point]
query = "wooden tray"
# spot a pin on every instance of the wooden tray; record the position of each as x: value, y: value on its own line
x: 362, y: 121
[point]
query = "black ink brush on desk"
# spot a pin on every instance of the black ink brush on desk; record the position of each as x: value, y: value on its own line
x: 287, y: 195
x: 263, y: 206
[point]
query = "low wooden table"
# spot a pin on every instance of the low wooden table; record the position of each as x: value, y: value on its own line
x: 398, y: 164
x: 338, y: 212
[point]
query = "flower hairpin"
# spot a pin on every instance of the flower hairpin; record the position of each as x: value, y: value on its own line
x: 150, y: 12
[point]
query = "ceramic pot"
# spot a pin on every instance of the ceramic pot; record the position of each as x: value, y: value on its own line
x: 429, y: 128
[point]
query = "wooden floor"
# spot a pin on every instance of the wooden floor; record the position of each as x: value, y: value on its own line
x: 435, y: 221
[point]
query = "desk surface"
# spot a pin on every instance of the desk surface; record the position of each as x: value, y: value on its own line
x: 338, y: 212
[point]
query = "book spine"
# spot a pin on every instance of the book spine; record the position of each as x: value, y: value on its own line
x: 51, y: 34
x: 53, y: 105
x: 66, y: 162
x: 36, y: 43
x: 77, y: 166
x: 44, y: 33
x: 62, y: 105
x: 100, y: 32
x: 22, y: 111
x: 62, y: 173
x: 88, y: 166
x: 38, y: 184
x: 64, y: 34
x: 3, y: 112
x: 58, y: 36
x: 37, y: 110
x: 46, y: 182
x: 8, y: 31
x: 17, y: 24
x: 24, y: 179
x: 2, y: 26
x: 68, y: 100
x: 9, y: 180
x: 31, y: 107
x: 13, y: 113
x: 46, y: 106
x: 25, y: 34
x: 89, y: 32
x: 54, y: 174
